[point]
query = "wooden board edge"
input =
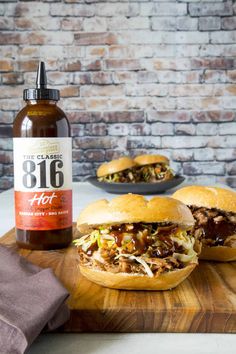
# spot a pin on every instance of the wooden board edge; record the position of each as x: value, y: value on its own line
x: 177, y: 321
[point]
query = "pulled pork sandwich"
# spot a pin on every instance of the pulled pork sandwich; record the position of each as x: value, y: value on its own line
x: 133, y: 243
x: 214, y: 210
x: 153, y: 168
x: 119, y: 171
x: 144, y: 168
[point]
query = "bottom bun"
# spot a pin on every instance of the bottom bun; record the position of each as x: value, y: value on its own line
x: 218, y: 253
x: 136, y: 281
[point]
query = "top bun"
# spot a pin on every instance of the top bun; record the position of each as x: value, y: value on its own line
x: 114, y: 166
x: 133, y: 208
x: 151, y: 159
x: 208, y: 197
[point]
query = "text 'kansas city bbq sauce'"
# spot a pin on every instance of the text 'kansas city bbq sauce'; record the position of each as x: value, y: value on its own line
x: 42, y: 170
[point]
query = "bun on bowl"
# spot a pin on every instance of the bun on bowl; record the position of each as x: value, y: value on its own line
x: 214, y: 210
x: 154, y: 168
x: 143, y: 160
x: 143, y: 168
x: 115, y: 166
x: 132, y: 243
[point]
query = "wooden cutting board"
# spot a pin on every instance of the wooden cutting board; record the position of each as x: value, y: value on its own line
x: 205, y: 302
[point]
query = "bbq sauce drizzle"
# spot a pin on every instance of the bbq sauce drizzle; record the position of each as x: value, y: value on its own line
x: 145, y: 243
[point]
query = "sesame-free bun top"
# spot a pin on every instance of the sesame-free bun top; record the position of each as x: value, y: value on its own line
x: 133, y: 208
x: 115, y: 166
x: 208, y: 197
x: 151, y: 159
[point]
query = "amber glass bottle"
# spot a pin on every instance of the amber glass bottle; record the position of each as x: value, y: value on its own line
x: 42, y: 170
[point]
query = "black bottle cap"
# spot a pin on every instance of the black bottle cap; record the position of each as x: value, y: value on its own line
x: 41, y: 92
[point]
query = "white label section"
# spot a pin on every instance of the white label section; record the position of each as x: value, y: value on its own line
x: 42, y: 164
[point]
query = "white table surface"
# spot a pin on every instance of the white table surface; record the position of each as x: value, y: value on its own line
x: 136, y: 343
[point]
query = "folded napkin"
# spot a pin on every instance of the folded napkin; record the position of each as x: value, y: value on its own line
x: 31, y: 299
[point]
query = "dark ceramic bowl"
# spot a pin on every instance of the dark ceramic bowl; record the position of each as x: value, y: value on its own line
x: 137, y: 188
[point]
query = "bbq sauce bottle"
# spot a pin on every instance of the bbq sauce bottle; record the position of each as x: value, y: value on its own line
x: 42, y: 170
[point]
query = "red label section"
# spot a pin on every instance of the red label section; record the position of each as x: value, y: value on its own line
x: 43, y: 210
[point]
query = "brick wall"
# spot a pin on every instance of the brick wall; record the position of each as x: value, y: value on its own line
x: 135, y: 76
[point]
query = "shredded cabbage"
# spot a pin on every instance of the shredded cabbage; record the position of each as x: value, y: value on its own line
x: 187, y: 242
x: 87, y: 240
x: 186, y: 258
x: 182, y: 239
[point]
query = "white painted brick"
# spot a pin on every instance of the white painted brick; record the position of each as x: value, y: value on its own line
x: 185, y: 129
x: 8, y: 51
x: 231, y: 168
x: 146, y: 90
x: 227, y: 128
x: 158, y: 103
x: 205, y: 154
x: 52, y: 51
x: 223, y: 37
x: 163, y: 9
x: 167, y: 116
x: 228, y: 102
x: 209, y: 23
x: 187, y: 23
x: 184, y: 142
x: 182, y: 154
x: 95, y: 24
x: 78, y: 10
x: 10, y: 104
x: 118, y: 129
x: 163, y: 23
x: 192, y: 37
x: 145, y: 142
x: 207, y: 129
x: 196, y: 103
x: 30, y: 9
x: 116, y: 9
x: 121, y: 23
x: 217, y: 50
x: 160, y: 129
x: 225, y: 154
x: 177, y: 167
x: 2, y: 9
x: 207, y: 168
x: 211, y: 9
x: 188, y: 50
x: 160, y: 37
x: 228, y: 141
x: 138, y: 129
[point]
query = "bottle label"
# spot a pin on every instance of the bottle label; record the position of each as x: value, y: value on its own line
x: 43, y: 183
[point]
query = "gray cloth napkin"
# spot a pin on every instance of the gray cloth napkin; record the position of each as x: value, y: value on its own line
x: 31, y: 299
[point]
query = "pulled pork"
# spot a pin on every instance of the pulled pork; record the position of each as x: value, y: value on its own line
x: 214, y: 227
x: 151, y: 248
x: 148, y: 173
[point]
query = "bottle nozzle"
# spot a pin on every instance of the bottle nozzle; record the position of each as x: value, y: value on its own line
x: 41, y: 92
x: 41, y: 81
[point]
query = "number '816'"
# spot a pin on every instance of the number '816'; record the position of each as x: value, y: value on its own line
x: 36, y: 175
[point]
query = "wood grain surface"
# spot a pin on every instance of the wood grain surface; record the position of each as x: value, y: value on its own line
x: 205, y: 302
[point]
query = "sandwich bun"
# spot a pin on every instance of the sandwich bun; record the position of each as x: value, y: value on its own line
x: 208, y: 197
x: 134, y: 208
x: 114, y: 166
x: 132, y: 281
x: 218, y: 253
x: 151, y: 159
x: 211, y: 197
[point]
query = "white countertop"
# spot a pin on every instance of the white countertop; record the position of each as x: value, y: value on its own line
x: 138, y: 343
